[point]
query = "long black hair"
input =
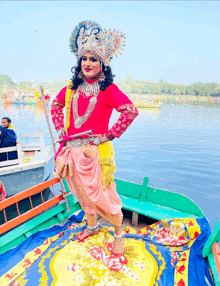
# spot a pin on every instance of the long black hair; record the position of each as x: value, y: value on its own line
x: 76, y: 81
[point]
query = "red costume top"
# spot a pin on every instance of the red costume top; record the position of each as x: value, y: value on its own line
x: 99, y: 119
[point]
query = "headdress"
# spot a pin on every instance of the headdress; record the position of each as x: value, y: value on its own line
x: 88, y: 36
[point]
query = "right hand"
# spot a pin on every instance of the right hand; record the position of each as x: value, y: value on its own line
x: 62, y: 132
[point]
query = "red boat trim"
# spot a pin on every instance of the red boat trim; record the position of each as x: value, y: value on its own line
x: 34, y: 211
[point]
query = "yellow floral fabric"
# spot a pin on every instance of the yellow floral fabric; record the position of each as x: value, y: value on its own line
x: 165, y: 253
x: 107, y: 162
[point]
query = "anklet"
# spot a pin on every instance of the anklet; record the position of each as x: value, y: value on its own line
x: 120, y: 236
x: 91, y: 229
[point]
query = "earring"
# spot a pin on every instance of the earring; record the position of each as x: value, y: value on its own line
x: 101, y: 77
x: 81, y: 75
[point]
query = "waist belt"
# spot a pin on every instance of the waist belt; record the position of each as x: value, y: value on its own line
x: 78, y: 142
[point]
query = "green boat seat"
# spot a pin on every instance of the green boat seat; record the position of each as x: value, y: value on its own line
x: 155, y: 203
x: 151, y: 210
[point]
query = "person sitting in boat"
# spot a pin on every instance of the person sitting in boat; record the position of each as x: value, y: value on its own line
x: 2, y: 192
x: 6, y: 123
x: 90, y: 99
x: 7, y: 139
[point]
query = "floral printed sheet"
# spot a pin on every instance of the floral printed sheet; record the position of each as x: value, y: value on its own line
x: 166, y: 253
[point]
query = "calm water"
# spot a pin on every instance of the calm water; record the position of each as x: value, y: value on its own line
x: 177, y: 147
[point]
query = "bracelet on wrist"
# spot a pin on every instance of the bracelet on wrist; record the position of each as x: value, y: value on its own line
x: 106, y: 137
x: 59, y: 132
x: 109, y: 136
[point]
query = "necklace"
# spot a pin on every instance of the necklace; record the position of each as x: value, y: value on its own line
x: 85, y: 89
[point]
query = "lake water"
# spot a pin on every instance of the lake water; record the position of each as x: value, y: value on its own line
x: 177, y: 147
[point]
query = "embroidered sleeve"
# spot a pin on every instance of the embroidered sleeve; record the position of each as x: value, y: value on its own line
x: 57, y: 109
x: 57, y: 113
x: 128, y: 113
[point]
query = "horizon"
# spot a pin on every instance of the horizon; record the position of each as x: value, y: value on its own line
x: 174, y: 41
x: 122, y: 79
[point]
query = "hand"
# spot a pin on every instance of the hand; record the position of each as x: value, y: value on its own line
x: 61, y: 132
x: 101, y: 138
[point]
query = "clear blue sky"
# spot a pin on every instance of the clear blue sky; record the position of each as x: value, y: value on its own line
x: 175, y: 41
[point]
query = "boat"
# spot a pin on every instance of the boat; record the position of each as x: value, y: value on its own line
x: 6, y: 100
x: 148, y: 104
x: 29, y: 168
x: 30, y: 101
x: 143, y: 200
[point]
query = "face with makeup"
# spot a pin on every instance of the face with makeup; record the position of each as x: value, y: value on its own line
x: 90, y: 66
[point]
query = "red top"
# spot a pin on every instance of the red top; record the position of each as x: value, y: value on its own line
x: 111, y: 98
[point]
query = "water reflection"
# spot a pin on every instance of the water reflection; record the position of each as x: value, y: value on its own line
x: 154, y: 112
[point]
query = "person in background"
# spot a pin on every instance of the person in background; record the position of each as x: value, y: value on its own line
x: 6, y: 123
x: 2, y: 192
x: 7, y: 139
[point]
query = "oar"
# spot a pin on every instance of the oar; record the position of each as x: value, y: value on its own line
x: 54, y: 145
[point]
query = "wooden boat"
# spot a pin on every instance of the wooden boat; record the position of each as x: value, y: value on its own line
x: 6, y: 100
x: 148, y: 104
x: 29, y: 101
x: 28, y: 169
x: 139, y: 199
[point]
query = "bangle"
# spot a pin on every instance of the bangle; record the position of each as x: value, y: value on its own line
x: 109, y: 136
x: 59, y: 132
x: 105, y: 137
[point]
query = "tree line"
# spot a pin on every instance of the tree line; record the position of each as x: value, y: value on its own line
x: 128, y: 85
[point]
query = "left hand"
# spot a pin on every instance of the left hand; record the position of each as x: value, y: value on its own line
x: 101, y: 138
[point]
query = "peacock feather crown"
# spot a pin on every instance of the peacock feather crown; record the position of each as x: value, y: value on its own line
x: 89, y: 36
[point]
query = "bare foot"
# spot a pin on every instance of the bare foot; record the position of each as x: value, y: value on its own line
x: 118, y: 247
x: 84, y: 234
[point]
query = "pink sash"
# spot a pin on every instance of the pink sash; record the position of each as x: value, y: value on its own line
x: 84, y: 176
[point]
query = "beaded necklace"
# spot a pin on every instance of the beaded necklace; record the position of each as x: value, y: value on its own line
x: 86, y: 90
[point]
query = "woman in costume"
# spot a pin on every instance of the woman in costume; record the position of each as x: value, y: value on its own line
x: 7, y: 139
x: 88, y: 163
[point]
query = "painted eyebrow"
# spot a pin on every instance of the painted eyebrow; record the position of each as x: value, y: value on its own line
x: 90, y: 58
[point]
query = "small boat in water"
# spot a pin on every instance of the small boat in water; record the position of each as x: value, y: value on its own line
x: 30, y: 101
x: 28, y: 169
x: 6, y: 100
x: 148, y: 104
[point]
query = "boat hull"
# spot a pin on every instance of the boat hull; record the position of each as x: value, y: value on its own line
x: 20, y: 177
x: 17, y: 182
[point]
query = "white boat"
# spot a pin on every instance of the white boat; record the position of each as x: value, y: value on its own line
x: 24, y: 172
x: 148, y: 104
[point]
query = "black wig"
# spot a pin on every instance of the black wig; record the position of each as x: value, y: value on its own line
x: 76, y: 81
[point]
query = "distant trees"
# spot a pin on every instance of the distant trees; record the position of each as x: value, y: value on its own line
x: 129, y: 85
x: 7, y: 83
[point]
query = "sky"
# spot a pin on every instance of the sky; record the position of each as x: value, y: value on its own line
x: 178, y: 41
